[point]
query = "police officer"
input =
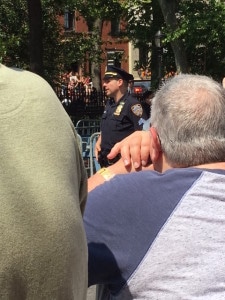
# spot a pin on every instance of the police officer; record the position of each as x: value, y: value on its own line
x: 122, y: 116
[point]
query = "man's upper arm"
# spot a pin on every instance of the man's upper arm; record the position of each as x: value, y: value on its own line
x: 100, y: 223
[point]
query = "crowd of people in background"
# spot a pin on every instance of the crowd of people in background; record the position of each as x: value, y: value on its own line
x: 75, y: 86
x: 75, y: 82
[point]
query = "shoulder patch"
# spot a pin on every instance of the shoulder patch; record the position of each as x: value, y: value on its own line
x: 137, y: 110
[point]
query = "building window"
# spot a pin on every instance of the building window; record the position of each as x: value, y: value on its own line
x: 115, y: 27
x: 114, y: 58
x: 68, y: 20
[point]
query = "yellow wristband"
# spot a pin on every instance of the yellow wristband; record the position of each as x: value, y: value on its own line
x: 106, y: 174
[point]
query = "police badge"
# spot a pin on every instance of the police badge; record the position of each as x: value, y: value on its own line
x: 119, y: 108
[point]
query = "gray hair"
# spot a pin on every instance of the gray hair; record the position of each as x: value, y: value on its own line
x: 188, y: 113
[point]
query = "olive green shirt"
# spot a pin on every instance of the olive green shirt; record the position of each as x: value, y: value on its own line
x: 43, y: 192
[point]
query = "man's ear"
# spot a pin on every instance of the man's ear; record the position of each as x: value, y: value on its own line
x: 156, y: 145
x: 120, y: 81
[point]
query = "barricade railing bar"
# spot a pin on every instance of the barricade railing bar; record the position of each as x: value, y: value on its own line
x: 94, y: 165
x: 88, y: 132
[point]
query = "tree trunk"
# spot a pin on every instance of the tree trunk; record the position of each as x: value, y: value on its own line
x: 35, y: 39
x: 169, y: 12
x: 96, y: 66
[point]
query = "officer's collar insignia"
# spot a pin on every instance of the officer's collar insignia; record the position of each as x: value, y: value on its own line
x: 119, y: 108
x: 137, y: 110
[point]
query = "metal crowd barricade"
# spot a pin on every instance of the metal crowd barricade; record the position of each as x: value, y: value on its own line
x: 79, y: 142
x: 94, y: 165
x: 87, y: 127
x: 88, y: 130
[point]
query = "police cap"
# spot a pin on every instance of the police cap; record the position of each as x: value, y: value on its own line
x: 114, y: 72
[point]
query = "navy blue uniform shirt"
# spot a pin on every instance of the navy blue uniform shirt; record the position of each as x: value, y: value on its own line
x: 120, y: 120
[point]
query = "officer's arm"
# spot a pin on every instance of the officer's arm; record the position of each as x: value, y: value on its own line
x: 137, y: 115
x: 98, y: 146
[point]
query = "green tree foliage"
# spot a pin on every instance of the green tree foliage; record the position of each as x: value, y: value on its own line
x: 100, y: 9
x: 58, y: 51
x: 169, y: 10
x: 202, y: 28
x: 95, y: 13
x: 14, y: 33
x: 194, y: 30
x: 14, y: 36
x: 199, y: 25
x: 144, y: 19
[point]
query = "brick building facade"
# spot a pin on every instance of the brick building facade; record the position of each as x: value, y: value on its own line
x: 116, y: 50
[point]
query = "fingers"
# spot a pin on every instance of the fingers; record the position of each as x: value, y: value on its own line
x: 145, y: 148
x: 97, y: 147
x: 131, y: 154
x: 130, y: 150
x: 96, y: 154
x: 135, y: 149
x: 145, y: 154
x: 115, y: 150
x: 123, y: 148
x: 126, y: 154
